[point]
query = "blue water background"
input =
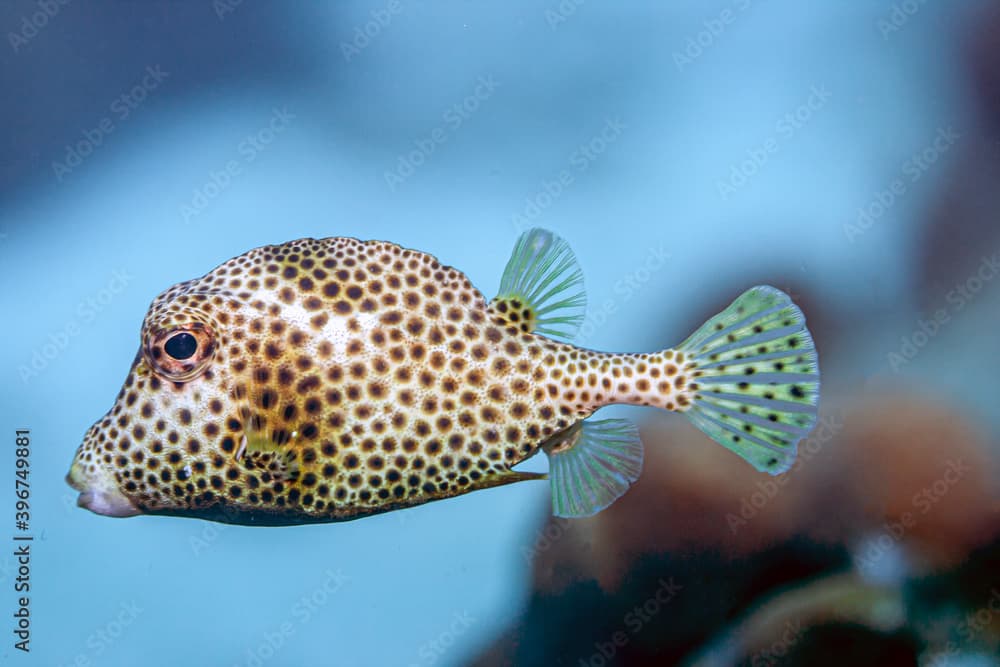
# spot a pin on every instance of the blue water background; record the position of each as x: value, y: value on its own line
x: 113, y: 231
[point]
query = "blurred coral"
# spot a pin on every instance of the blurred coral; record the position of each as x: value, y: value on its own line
x: 896, y: 483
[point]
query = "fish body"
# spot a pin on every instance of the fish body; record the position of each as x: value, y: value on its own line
x: 331, y: 379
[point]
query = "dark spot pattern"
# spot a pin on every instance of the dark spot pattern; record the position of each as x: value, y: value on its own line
x: 336, y: 378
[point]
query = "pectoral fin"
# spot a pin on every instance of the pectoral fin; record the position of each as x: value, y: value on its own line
x: 262, y: 447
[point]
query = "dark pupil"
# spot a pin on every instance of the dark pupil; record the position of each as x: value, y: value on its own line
x: 181, y: 346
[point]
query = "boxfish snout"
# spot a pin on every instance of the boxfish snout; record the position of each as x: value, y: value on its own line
x: 99, y: 491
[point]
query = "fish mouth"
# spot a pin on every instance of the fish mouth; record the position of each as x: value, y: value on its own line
x: 74, y: 480
x: 107, y: 504
x: 99, y: 498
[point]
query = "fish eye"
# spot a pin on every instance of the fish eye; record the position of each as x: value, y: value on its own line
x: 181, y: 346
x: 181, y: 353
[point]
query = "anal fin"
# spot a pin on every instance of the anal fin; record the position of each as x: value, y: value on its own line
x: 592, y: 464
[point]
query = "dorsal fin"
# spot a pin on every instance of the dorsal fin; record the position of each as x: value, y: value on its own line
x: 542, y: 287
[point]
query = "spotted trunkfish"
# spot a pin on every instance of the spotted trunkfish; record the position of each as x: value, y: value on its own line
x: 331, y: 379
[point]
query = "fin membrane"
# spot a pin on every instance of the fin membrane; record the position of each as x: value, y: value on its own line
x: 593, y: 464
x: 263, y: 447
x: 283, y: 467
x: 542, y: 287
x: 757, y: 378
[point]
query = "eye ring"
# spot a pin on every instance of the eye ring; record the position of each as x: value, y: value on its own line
x: 182, y: 353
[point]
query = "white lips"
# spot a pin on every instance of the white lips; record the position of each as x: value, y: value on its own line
x: 97, y: 497
x: 108, y: 504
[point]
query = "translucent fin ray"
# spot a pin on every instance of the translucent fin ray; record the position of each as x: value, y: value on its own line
x: 592, y: 465
x: 261, y: 446
x: 757, y: 378
x: 542, y: 287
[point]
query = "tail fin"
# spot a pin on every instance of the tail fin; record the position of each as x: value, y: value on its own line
x: 757, y: 378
